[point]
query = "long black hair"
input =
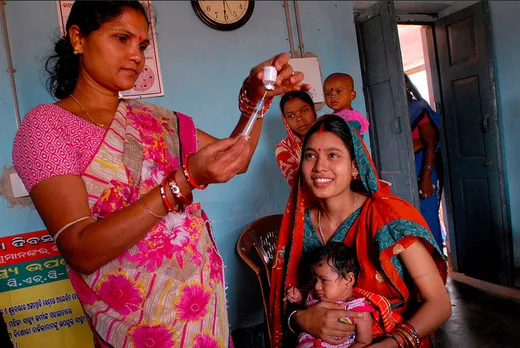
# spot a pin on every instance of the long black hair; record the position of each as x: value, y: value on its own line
x: 63, y: 66
x: 334, y: 124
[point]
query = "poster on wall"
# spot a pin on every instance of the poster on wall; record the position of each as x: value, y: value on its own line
x: 37, y: 300
x: 149, y: 83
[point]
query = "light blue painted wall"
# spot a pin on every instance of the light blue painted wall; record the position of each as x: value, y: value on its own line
x: 202, y: 70
x: 506, y: 31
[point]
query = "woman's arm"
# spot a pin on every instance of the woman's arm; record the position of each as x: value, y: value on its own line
x: 436, y: 307
x: 89, y: 244
x: 429, y: 140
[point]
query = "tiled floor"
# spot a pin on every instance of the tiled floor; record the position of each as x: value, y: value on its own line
x: 479, y: 320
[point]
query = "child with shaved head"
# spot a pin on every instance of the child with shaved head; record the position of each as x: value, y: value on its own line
x: 339, y: 94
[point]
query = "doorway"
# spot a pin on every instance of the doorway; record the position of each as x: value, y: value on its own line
x: 462, y: 88
x: 415, y: 55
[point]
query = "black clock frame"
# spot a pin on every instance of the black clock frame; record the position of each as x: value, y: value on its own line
x: 222, y: 26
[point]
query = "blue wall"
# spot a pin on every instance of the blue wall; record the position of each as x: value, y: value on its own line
x: 506, y: 31
x: 202, y: 70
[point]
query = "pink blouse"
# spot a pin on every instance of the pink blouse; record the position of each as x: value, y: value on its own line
x: 415, y: 132
x: 52, y: 141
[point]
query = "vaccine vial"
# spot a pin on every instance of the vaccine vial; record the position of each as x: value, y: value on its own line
x: 269, y: 79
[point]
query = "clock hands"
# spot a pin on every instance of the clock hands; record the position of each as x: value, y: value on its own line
x: 225, y: 16
x: 229, y: 8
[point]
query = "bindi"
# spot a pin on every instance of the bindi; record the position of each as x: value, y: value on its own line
x: 140, y: 37
x: 319, y: 150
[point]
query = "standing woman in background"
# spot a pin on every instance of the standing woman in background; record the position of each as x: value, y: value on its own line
x: 425, y: 123
x: 112, y: 180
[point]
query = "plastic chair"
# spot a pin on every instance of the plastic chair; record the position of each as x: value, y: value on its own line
x: 256, y: 246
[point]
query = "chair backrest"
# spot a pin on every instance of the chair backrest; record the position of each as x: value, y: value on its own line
x: 259, y: 239
x: 256, y: 246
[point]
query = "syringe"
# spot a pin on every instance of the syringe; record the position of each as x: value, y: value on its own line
x: 269, y: 81
x: 257, y: 112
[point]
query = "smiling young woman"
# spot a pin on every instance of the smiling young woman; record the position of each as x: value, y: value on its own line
x: 339, y: 198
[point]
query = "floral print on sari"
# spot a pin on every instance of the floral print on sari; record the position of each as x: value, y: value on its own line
x: 173, y: 275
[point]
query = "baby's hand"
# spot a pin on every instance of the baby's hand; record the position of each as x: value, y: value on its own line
x: 294, y: 295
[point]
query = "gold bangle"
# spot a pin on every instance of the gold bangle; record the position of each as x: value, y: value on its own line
x: 148, y: 210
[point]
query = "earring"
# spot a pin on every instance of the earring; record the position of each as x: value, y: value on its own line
x: 355, y: 173
x: 75, y: 50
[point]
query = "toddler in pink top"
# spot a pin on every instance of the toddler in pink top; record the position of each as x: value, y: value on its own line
x: 339, y: 94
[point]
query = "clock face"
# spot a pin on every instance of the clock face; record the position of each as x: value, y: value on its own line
x: 224, y: 15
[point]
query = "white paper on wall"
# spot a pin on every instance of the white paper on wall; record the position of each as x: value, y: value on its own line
x: 149, y: 83
x: 311, y: 68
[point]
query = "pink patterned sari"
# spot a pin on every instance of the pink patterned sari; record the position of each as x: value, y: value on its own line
x: 168, y: 289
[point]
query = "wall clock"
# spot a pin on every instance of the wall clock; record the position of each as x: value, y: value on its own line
x: 224, y: 15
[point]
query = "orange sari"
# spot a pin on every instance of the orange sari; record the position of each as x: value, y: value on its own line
x: 287, y: 154
x: 385, y: 227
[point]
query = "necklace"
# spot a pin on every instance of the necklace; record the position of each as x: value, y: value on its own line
x: 319, y: 219
x: 86, y: 113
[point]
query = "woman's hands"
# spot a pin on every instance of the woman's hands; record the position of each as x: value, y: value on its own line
x: 287, y: 80
x: 321, y: 321
x: 219, y: 161
x: 426, y: 187
x: 428, y: 136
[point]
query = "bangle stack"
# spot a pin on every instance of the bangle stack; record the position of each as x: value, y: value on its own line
x: 181, y: 200
x: 187, y: 175
x: 165, y: 200
x: 406, y: 336
x: 177, y: 191
x: 246, y: 106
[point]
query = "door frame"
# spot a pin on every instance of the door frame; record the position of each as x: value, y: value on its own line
x: 401, y: 122
x: 439, y: 106
x: 439, y: 103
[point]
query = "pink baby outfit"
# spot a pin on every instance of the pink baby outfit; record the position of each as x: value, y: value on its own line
x: 354, y: 115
